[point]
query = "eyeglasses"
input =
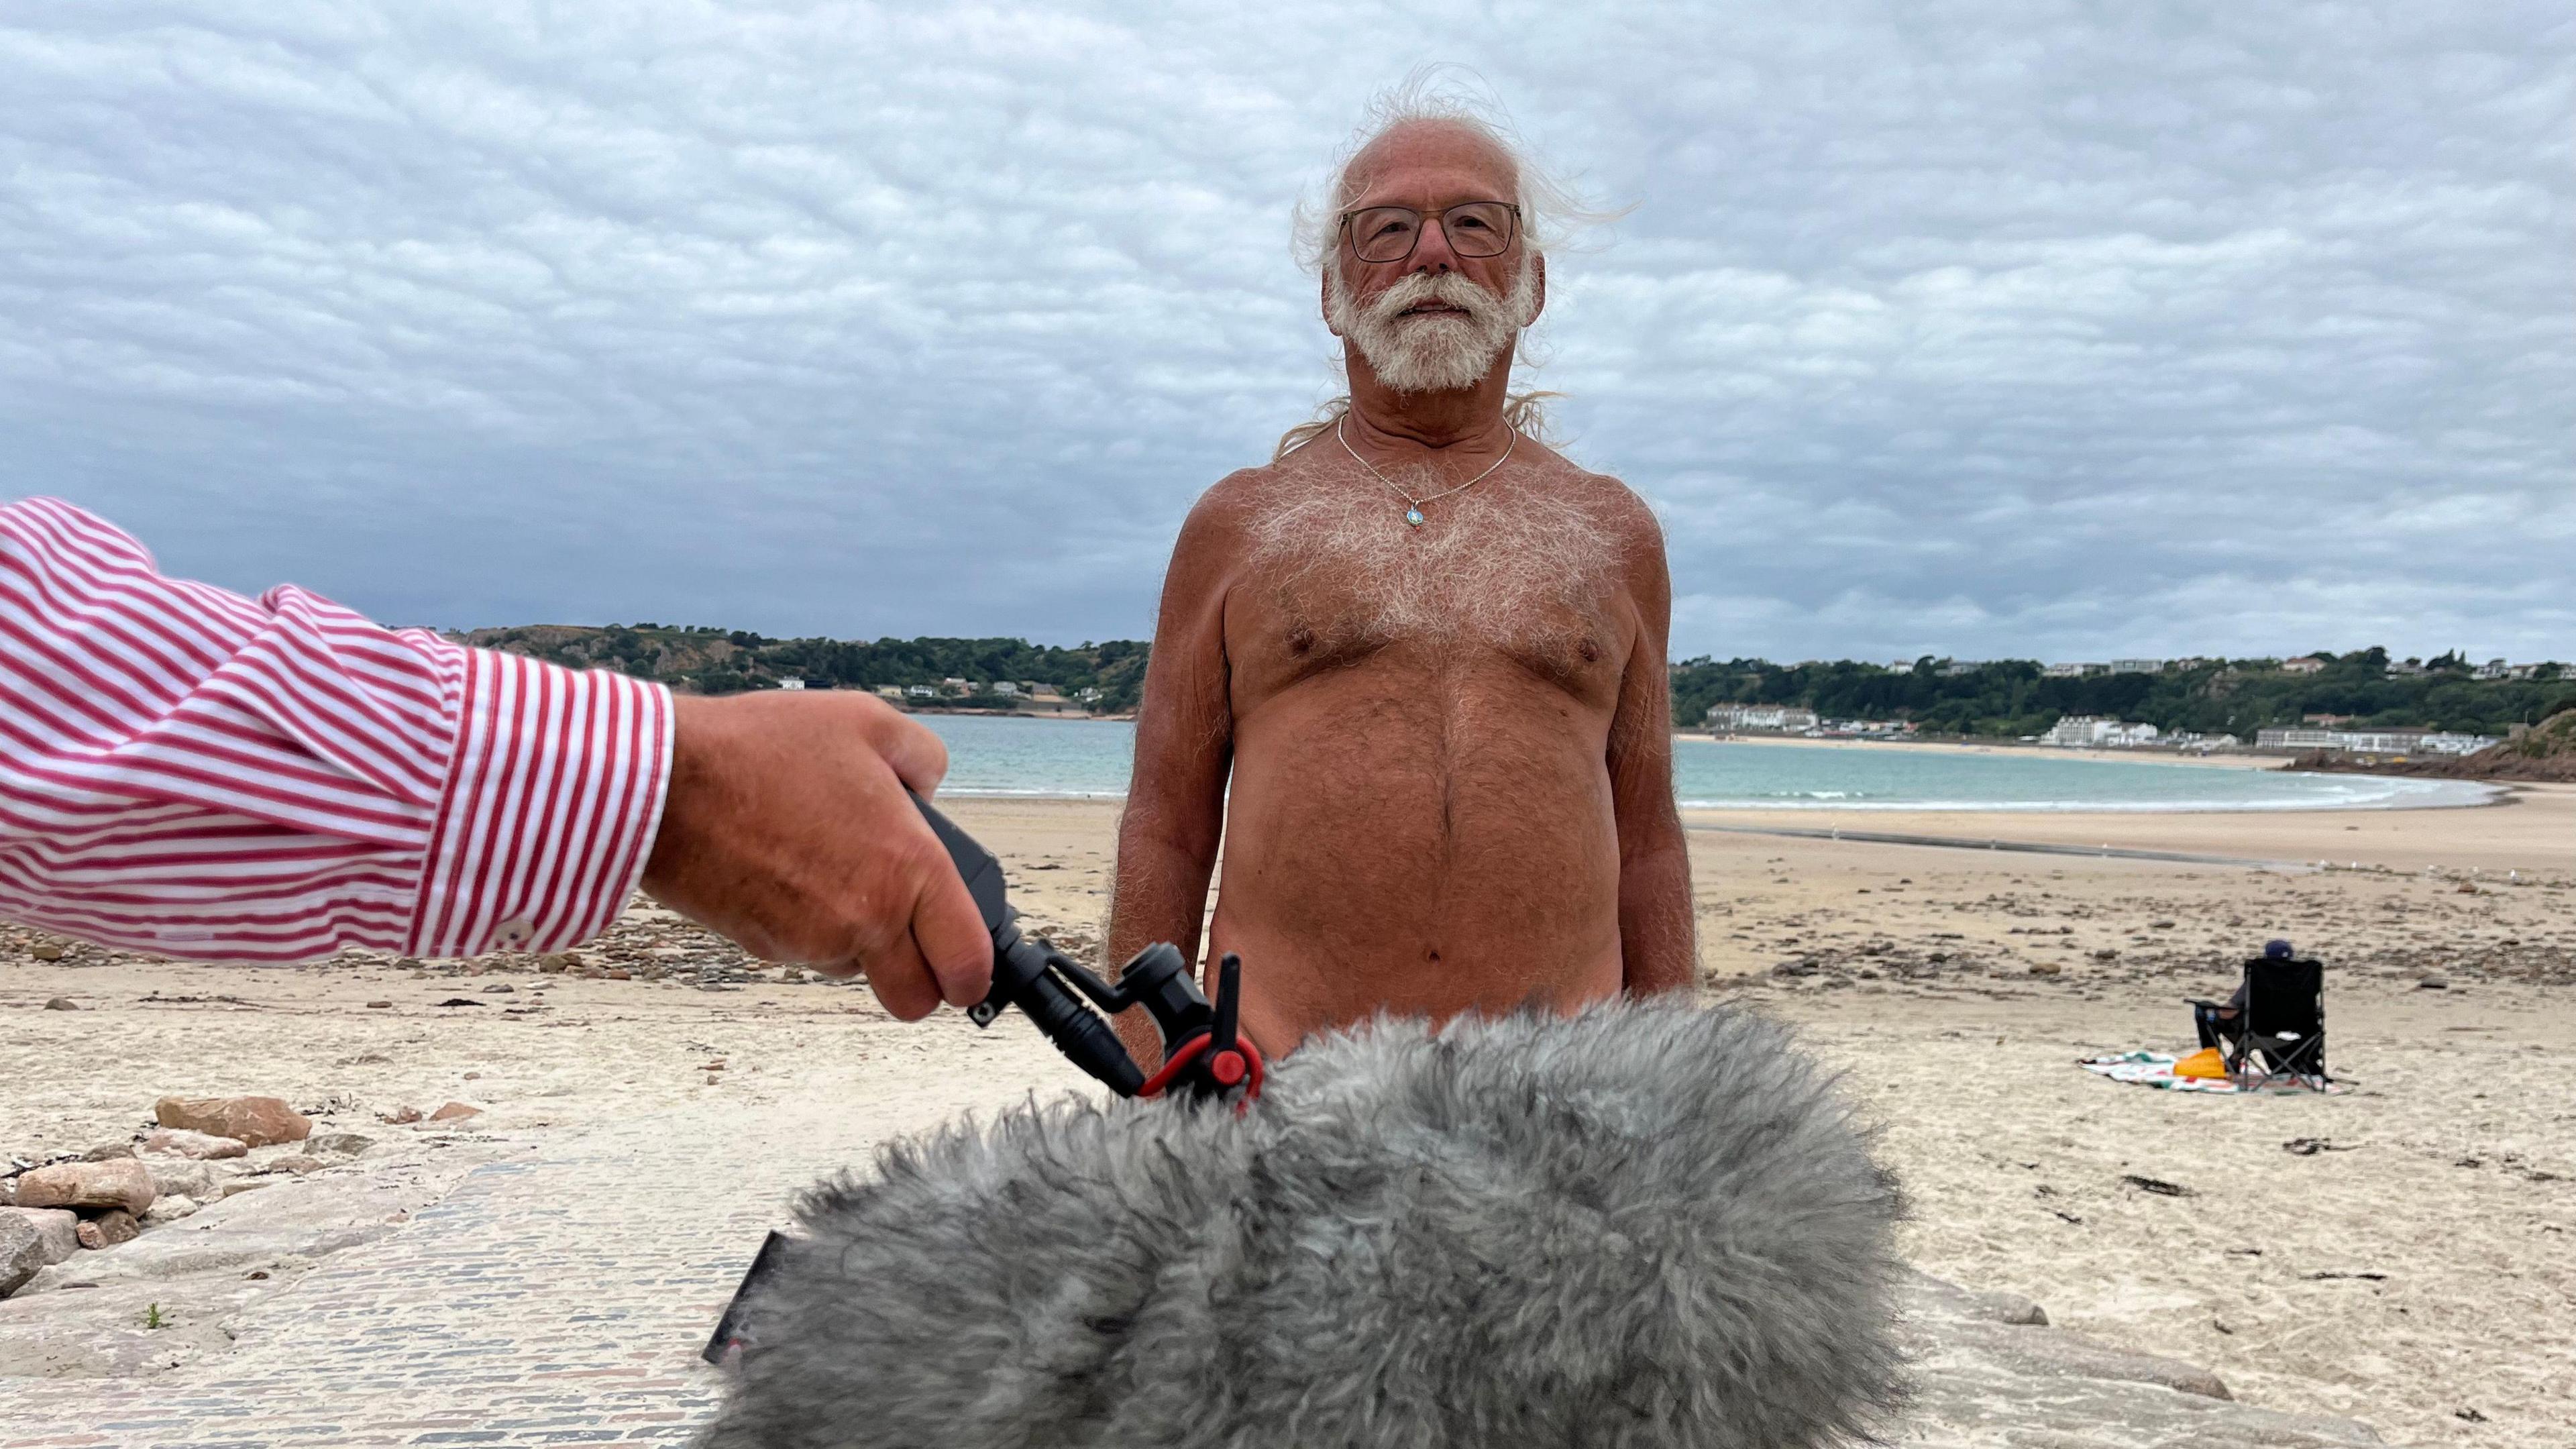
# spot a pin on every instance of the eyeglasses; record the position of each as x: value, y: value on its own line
x: 1390, y: 233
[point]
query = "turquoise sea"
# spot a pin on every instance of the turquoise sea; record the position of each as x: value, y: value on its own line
x: 990, y: 755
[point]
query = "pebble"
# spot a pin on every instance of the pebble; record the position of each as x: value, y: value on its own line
x: 62, y: 1003
x: 169, y: 1209
x: 499, y: 988
x: 180, y: 1142
x: 401, y: 1116
x: 47, y: 952
x: 122, y: 1184
x: 57, y: 1230
x: 183, y: 1177
x: 338, y: 1144
x: 108, y: 1229
x: 378, y: 1005
x: 253, y: 1121
x: 22, y: 1253
x: 2433, y: 983
x: 455, y: 1112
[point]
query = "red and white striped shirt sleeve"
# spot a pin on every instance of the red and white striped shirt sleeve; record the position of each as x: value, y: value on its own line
x: 190, y: 772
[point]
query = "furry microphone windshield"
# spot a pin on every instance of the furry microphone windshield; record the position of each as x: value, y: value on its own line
x: 1645, y: 1225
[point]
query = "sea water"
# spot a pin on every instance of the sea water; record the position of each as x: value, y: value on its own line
x: 992, y: 755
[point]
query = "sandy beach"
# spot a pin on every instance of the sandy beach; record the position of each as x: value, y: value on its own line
x: 2401, y: 1254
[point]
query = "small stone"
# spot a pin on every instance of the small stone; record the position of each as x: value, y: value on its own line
x: 2045, y: 968
x: 169, y: 1210
x: 473, y: 1076
x: 338, y: 1144
x: 295, y: 1162
x: 554, y: 965
x: 2433, y: 983
x: 455, y: 1112
x: 62, y: 1003
x: 378, y: 1005
x: 122, y: 1184
x: 108, y: 1152
x: 240, y: 1185
x: 181, y: 1177
x: 499, y: 988
x: 618, y: 973
x: 22, y: 1252
x: 180, y: 1142
x: 108, y: 1229
x: 712, y: 1079
x: 401, y: 1116
x: 47, y: 952
x: 253, y: 1121
x: 56, y: 1229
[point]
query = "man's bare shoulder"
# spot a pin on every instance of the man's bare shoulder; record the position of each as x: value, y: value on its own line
x: 1626, y: 516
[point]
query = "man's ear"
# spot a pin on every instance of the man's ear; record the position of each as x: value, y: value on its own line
x: 1538, y: 291
x: 1324, y: 297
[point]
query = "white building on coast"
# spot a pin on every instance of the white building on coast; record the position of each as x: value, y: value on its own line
x: 2373, y: 742
x: 2093, y: 732
x: 1761, y: 718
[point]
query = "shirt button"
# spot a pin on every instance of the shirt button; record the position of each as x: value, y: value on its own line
x: 516, y: 931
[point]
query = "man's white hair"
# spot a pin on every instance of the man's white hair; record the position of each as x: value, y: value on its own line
x: 1552, y: 211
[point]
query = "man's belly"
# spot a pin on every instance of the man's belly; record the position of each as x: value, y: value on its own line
x: 1422, y: 855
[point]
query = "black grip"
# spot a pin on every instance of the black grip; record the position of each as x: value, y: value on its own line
x: 1080, y: 1034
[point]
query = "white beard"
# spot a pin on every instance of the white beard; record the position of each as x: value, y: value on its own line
x: 1434, y: 353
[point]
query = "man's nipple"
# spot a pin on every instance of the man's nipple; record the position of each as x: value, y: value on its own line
x: 1300, y: 639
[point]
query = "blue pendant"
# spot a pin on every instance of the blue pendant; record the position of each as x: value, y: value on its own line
x: 1413, y: 516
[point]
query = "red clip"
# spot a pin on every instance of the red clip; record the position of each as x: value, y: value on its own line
x: 1240, y: 1063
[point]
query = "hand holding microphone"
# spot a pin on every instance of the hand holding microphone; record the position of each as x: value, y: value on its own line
x: 788, y: 829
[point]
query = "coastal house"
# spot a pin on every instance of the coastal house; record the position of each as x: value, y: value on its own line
x: 1006, y: 689
x: 1089, y: 696
x: 1956, y: 667
x: 2073, y: 671
x: 2137, y: 666
x: 1761, y: 718
x: 2308, y: 664
x: 955, y: 686
x: 2094, y: 732
x: 2498, y: 669
x: 791, y: 682
x: 920, y: 691
x: 2373, y: 742
x: 895, y: 691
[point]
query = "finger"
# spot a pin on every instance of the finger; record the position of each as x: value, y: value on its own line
x: 903, y: 984
x: 918, y: 757
x: 949, y: 933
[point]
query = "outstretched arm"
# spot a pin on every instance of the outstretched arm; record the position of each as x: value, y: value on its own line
x: 1167, y: 840
x: 1656, y: 940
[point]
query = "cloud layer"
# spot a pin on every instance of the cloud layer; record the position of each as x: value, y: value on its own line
x: 1980, y: 329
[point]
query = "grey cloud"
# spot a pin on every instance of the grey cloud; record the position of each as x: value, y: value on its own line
x: 1974, y: 328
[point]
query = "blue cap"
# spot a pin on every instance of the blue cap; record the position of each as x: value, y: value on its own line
x: 2277, y: 950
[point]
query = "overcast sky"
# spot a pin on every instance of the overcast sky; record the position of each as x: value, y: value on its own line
x: 1983, y: 329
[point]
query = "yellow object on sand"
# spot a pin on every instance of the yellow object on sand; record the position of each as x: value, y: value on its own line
x: 2205, y: 1062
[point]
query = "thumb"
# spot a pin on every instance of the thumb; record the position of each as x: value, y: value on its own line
x: 918, y: 757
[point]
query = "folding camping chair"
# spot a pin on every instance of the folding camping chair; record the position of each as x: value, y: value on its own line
x: 2284, y: 1023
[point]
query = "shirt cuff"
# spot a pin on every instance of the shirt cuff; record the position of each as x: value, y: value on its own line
x: 551, y: 803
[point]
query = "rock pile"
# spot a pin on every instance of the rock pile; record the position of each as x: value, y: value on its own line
x: 207, y: 1149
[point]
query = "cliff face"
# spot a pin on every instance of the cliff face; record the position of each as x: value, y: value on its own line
x: 2544, y: 754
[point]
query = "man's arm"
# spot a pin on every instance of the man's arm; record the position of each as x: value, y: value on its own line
x: 198, y: 774
x: 1656, y: 938
x: 1167, y: 839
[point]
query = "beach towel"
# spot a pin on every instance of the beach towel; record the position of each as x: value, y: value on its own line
x: 2156, y: 1069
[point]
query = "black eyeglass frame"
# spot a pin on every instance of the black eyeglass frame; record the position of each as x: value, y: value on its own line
x: 1419, y: 230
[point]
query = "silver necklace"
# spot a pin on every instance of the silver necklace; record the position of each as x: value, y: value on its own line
x: 1413, y: 505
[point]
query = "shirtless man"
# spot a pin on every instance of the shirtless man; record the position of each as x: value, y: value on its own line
x: 1431, y: 652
